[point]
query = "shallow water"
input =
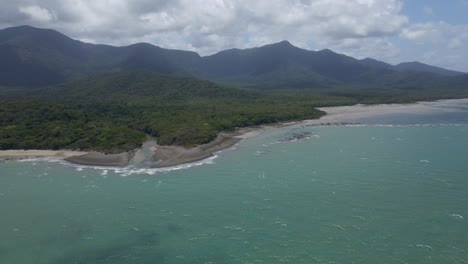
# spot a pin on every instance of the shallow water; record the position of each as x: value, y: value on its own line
x: 387, y: 193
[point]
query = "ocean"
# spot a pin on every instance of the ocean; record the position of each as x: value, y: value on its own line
x: 392, y: 188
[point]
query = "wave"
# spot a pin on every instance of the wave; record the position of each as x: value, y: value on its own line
x: 133, y: 170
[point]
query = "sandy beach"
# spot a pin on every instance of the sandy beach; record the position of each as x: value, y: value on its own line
x: 100, y: 159
x: 168, y: 156
x: 77, y: 157
x: 27, y: 154
x: 349, y: 114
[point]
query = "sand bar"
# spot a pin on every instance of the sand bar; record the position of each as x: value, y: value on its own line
x: 168, y: 156
x: 100, y: 159
x: 27, y: 154
x: 77, y: 157
x: 348, y: 114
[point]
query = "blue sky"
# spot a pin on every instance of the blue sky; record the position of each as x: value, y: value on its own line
x: 444, y: 33
x: 431, y: 31
x: 450, y: 11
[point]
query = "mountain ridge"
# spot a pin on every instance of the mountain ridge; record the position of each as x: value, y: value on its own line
x: 48, y: 57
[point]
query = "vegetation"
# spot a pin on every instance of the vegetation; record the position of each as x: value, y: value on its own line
x: 114, y: 112
x: 41, y: 125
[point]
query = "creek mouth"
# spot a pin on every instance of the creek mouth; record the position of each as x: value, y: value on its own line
x: 144, y: 157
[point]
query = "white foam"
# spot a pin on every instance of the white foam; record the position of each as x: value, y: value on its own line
x: 132, y: 170
x: 457, y: 216
x: 424, y: 246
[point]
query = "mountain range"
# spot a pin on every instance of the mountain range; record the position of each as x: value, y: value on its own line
x: 34, y: 57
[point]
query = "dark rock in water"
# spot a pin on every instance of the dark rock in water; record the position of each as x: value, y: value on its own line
x: 297, y: 136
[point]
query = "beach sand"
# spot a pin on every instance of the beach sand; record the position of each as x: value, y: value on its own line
x: 349, y: 114
x: 101, y: 159
x: 77, y: 157
x: 168, y: 156
x: 27, y: 154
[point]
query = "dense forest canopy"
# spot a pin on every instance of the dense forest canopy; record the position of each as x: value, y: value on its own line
x: 115, y: 111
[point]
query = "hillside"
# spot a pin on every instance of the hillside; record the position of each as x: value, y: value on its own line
x: 33, y: 57
x: 421, y: 67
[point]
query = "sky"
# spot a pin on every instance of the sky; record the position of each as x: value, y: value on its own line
x: 430, y: 31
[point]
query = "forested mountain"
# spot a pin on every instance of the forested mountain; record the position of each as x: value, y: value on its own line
x: 35, y: 57
x: 421, y: 67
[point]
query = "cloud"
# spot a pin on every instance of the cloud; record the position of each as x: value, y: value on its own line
x: 376, y: 48
x: 440, y: 33
x: 439, y: 43
x: 422, y: 32
x: 210, y: 25
x: 36, y: 13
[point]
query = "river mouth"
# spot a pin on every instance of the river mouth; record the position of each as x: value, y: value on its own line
x: 144, y: 157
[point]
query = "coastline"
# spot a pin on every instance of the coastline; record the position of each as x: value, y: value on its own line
x: 35, y: 153
x: 100, y: 159
x: 90, y: 158
x: 169, y: 156
x: 348, y: 114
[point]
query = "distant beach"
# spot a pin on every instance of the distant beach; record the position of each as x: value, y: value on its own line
x: 348, y: 114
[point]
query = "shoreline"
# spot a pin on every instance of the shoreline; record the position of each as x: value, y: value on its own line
x: 93, y: 158
x: 36, y: 153
x: 87, y: 158
x: 169, y: 156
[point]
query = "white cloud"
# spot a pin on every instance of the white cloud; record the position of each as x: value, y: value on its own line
x: 36, y: 13
x: 376, y: 48
x: 441, y: 33
x: 211, y: 25
x: 439, y: 43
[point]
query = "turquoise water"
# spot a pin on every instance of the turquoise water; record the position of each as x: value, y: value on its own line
x: 342, y: 194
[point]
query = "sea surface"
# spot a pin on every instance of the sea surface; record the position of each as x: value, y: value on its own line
x: 393, y: 189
